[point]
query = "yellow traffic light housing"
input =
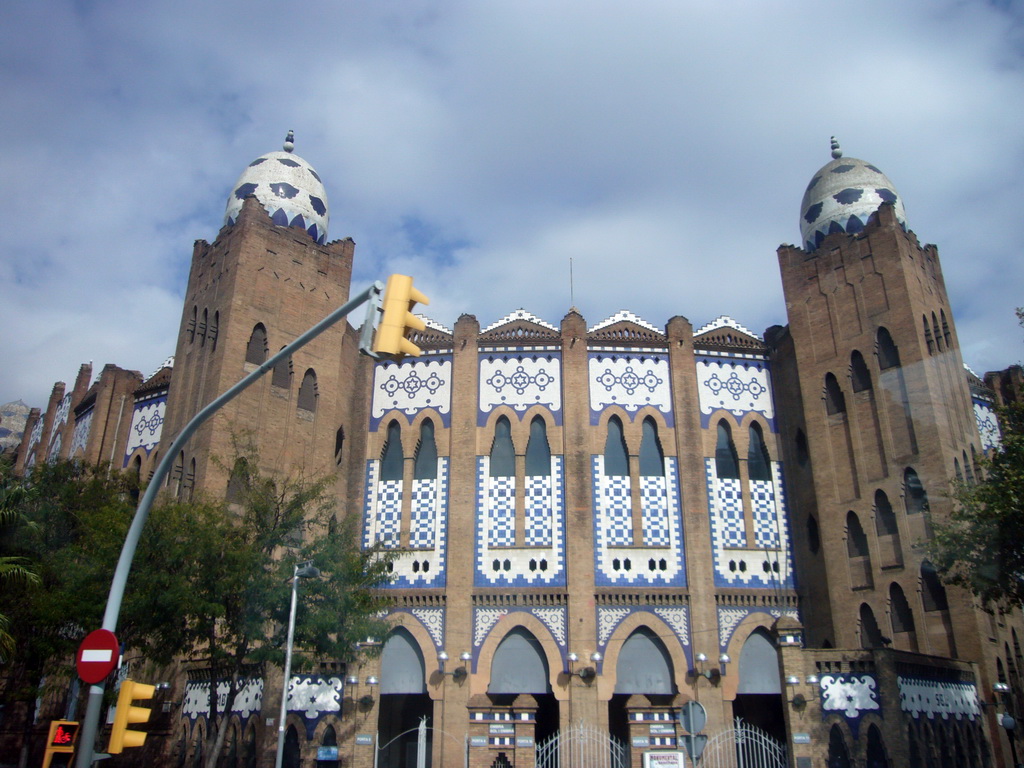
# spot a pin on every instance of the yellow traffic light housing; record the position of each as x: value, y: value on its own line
x: 397, y: 318
x: 63, y: 734
x: 126, y: 714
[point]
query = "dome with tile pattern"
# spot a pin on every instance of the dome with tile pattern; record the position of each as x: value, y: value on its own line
x: 287, y: 187
x: 842, y: 196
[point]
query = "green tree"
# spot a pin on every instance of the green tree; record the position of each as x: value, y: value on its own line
x: 980, y: 547
x: 223, y: 571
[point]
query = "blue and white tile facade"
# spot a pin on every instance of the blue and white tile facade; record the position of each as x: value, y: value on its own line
x: 520, y: 380
x: 675, y: 616
x: 146, y: 427
x: 629, y: 380
x: 651, y: 556
x: 554, y: 619
x: 411, y: 387
x: 248, y: 700
x: 501, y: 559
x: 850, y: 695
x: 60, y: 419
x: 80, y: 436
x: 311, y: 697
x: 420, y: 561
x: 932, y: 698
x: 754, y: 552
x: 988, y: 424
x: 730, y: 617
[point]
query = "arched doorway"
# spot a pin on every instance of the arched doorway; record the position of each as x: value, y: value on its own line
x: 520, y: 666
x: 759, y: 693
x: 644, y: 666
x: 403, y: 701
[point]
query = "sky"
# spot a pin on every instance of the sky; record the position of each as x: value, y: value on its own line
x: 661, y: 148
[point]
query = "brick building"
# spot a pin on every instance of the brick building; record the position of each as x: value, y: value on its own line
x: 597, y: 524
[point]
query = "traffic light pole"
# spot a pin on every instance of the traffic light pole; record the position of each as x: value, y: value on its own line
x: 91, y: 720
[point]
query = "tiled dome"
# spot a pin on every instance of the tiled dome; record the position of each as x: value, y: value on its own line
x: 841, y: 197
x: 288, y: 188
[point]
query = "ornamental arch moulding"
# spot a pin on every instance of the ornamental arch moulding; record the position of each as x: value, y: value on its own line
x: 637, y: 620
x: 552, y: 649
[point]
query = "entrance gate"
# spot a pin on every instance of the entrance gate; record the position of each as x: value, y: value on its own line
x: 744, y: 746
x: 582, y: 746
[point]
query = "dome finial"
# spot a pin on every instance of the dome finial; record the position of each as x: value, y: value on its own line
x: 289, y: 142
x: 836, y: 151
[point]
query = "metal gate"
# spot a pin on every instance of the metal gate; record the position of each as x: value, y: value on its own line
x: 582, y: 746
x: 744, y: 746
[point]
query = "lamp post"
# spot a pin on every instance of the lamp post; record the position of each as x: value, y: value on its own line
x: 304, y: 571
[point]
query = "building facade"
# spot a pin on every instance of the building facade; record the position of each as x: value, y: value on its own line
x: 599, y: 526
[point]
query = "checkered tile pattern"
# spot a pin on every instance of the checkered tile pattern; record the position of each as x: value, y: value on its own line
x: 501, y: 512
x: 389, y: 512
x: 538, y: 510
x: 369, y: 505
x: 654, y: 510
x: 424, y: 506
x: 729, y: 508
x: 616, y: 508
x: 762, y: 501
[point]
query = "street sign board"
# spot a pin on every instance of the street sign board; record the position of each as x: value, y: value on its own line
x: 693, y: 716
x: 97, y: 655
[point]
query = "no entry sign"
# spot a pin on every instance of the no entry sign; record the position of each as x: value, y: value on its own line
x: 97, y: 655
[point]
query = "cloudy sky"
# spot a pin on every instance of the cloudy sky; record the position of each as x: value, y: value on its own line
x: 663, y: 147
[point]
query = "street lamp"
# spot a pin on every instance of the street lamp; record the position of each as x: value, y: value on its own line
x: 302, y: 571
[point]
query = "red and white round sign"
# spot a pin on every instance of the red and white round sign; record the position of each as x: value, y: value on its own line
x: 97, y: 655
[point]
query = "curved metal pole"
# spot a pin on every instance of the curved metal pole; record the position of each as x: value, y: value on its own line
x: 92, y: 713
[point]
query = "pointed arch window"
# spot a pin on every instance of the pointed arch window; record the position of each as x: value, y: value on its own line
x: 870, y: 634
x: 885, y: 518
x: 652, y: 459
x: 945, y: 328
x: 256, y: 350
x: 425, y: 463
x: 339, y: 445
x: 888, y: 354
x: 834, y: 401
x: 916, y: 498
x: 860, y: 377
x: 202, y: 328
x: 938, y: 333
x: 392, y: 460
x: 838, y: 754
x: 902, y: 616
x: 727, y: 464
x: 538, y: 452
x: 503, y: 453
x: 968, y: 469
x: 803, y: 451
x: 308, y: 392
x: 933, y: 594
x: 616, y: 461
x: 190, y: 329
x: 759, y: 465
x: 929, y: 339
x: 813, y: 534
x: 214, y: 330
x: 957, y: 470
x: 282, y: 375
x: 856, y: 539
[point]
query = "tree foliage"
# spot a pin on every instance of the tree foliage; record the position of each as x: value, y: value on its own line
x: 980, y: 547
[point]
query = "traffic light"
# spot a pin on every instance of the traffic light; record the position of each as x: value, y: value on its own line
x: 397, y: 319
x: 63, y: 734
x: 126, y: 714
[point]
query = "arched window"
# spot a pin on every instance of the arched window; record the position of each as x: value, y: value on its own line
x: 860, y: 377
x: 856, y: 540
x: 202, y: 328
x: 214, y: 330
x: 308, y: 392
x: 957, y: 471
x: 838, y: 754
x: 190, y: 329
x: 759, y: 466
x: 392, y: 460
x: 945, y: 328
x: 519, y: 665
x: 339, y: 444
x: 238, y: 480
x: 403, y: 669
x: 256, y: 351
x: 975, y: 464
x: 968, y: 469
x: 885, y: 518
x: 938, y: 333
x: 876, y: 756
x: 330, y: 741
x: 282, y: 375
x: 291, y: 757
x: 803, y: 451
x: 933, y: 594
x: 538, y: 452
x: 503, y: 453
x: 644, y: 665
x: 616, y: 462
x: 813, y: 534
x: 916, y: 498
x: 834, y: 400
x: 425, y: 462
x: 870, y: 635
x: 888, y: 354
x: 652, y: 460
x: 727, y: 464
x: 177, y: 473
x: 929, y: 339
x: 902, y: 616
